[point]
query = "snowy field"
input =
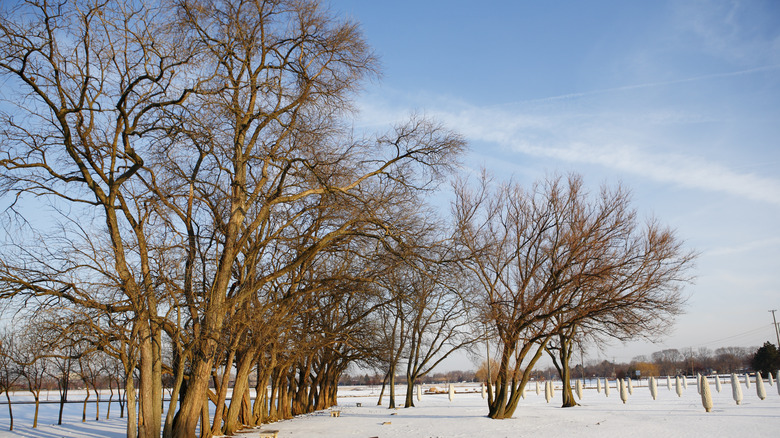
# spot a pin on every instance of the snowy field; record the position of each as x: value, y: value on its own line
x: 435, y: 416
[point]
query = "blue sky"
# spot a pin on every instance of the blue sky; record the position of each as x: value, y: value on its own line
x: 678, y: 100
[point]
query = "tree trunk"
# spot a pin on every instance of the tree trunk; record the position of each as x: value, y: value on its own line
x: 132, y: 418
x: 64, y: 382
x: 382, y: 391
x: 224, y: 382
x: 260, y: 410
x: 35, y: 415
x: 150, y: 382
x: 566, y: 393
x: 121, y: 399
x: 10, y: 410
x: 84, y: 411
x: 508, y: 387
x: 97, y: 403
x: 273, y: 399
x: 497, y: 407
x: 192, y: 405
x: 173, y: 404
x: 110, y: 397
x: 564, y: 370
x: 409, y: 402
x: 283, y: 409
x: 205, y: 428
x: 245, y: 412
x: 241, y: 385
x: 391, y: 403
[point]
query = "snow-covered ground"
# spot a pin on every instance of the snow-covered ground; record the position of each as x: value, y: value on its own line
x: 436, y: 416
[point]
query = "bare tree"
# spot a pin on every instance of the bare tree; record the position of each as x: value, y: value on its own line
x: 508, y: 237
x: 439, y: 321
x: 91, y: 372
x: 34, y: 363
x: 668, y: 361
x: 557, y: 267
x: 9, y: 373
x: 626, y: 279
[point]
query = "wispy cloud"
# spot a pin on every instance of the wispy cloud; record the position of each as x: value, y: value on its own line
x: 733, y: 30
x: 746, y: 247
x: 601, y: 147
x: 619, y: 139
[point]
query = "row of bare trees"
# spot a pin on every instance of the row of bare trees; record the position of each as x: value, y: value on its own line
x: 208, y: 194
x: 31, y: 361
x: 210, y: 214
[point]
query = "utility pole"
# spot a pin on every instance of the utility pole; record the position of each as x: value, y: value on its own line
x: 777, y: 331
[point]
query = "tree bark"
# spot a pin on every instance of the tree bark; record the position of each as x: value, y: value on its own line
x: 35, y: 416
x: 216, y: 427
x: 132, y: 418
x: 509, y: 385
x: 409, y: 402
x: 10, y: 409
x: 241, y: 385
x: 192, y: 405
x: 564, y: 370
x: 391, y: 403
x: 382, y: 391
x: 150, y: 381
x: 179, y: 364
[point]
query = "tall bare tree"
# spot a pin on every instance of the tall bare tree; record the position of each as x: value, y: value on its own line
x: 626, y: 278
x: 507, y: 237
x: 550, y: 261
x: 435, y: 305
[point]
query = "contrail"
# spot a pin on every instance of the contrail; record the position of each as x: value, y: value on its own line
x: 639, y: 86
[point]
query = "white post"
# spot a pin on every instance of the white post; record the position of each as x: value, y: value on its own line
x: 706, y: 397
x: 778, y: 382
x: 678, y: 386
x: 736, y: 388
x: 760, y: 390
x: 698, y: 383
x: 623, y: 390
x: 653, y: 388
x: 717, y: 382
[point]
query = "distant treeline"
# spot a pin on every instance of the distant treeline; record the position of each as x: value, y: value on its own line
x: 661, y: 363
